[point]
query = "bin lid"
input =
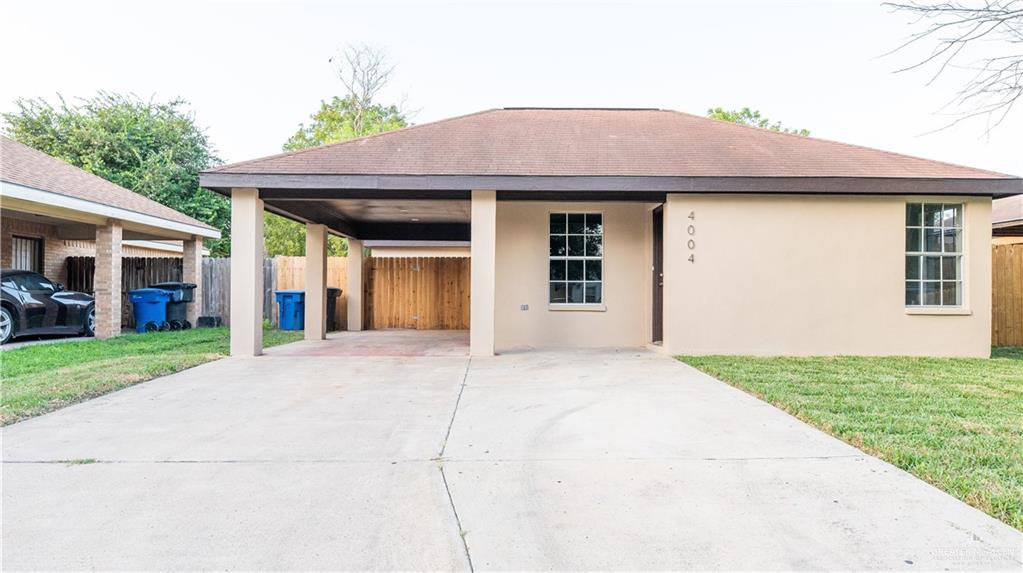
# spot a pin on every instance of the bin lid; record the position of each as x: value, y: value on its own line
x: 289, y: 291
x: 150, y: 293
x: 173, y: 285
x: 333, y: 291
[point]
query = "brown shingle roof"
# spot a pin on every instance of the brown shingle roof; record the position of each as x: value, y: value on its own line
x: 23, y: 165
x: 1007, y: 210
x: 598, y: 142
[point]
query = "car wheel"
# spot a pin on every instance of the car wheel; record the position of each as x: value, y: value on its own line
x: 6, y: 325
x: 90, y: 322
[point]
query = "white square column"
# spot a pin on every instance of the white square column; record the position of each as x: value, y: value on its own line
x: 315, y: 282
x: 246, y: 272
x: 354, y: 284
x: 483, y: 272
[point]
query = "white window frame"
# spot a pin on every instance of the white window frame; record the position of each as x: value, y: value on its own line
x: 960, y: 306
x: 584, y: 306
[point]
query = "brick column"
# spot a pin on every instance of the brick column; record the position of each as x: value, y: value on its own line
x: 315, y: 282
x: 354, y: 284
x: 482, y: 272
x: 107, y: 279
x: 192, y: 273
x: 246, y: 272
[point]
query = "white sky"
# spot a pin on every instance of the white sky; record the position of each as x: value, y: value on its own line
x: 254, y: 70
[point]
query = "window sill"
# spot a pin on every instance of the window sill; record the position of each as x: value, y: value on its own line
x: 937, y: 310
x: 578, y: 307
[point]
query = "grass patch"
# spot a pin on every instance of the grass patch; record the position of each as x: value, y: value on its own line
x: 954, y: 422
x: 39, y: 379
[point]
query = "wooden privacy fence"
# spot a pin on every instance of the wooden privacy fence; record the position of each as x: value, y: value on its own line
x: 424, y: 293
x: 136, y: 272
x: 290, y: 274
x: 1007, y: 295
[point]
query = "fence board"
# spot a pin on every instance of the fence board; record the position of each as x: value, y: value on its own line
x: 423, y: 293
x: 1007, y: 295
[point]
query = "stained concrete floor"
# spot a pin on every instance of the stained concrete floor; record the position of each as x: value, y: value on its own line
x: 394, y: 451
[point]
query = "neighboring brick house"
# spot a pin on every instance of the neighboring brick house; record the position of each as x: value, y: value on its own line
x: 52, y: 210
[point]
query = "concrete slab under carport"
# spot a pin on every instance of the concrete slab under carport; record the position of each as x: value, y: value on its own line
x: 562, y: 459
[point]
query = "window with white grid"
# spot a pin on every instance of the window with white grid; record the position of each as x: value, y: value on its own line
x: 576, y: 258
x: 934, y: 254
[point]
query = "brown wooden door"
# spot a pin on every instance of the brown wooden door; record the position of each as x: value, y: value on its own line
x: 658, y: 276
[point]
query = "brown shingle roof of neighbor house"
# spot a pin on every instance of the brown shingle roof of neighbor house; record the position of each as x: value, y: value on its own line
x: 599, y: 142
x: 1007, y: 216
x: 23, y: 165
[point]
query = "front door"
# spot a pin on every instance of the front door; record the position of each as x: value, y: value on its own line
x: 658, y: 275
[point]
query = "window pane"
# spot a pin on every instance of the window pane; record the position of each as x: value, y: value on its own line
x: 912, y: 293
x: 932, y: 240
x: 950, y: 268
x: 932, y: 294
x: 932, y: 268
x: 950, y: 293
x: 593, y: 292
x: 575, y: 292
x: 558, y: 291
x: 576, y: 223
x: 952, y: 240
x: 958, y: 215
x: 593, y: 270
x: 594, y: 224
x: 594, y: 246
x: 575, y: 270
x: 557, y: 223
x: 914, y: 240
x: 912, y: 267
x: 575, y: 246
x: 557, y: 270
x: 932, y: 215
x: 949, y: 216
x: 558, y: 248
x: 914, y: 215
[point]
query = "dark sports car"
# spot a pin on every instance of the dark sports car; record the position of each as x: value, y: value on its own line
x: 32, y: 304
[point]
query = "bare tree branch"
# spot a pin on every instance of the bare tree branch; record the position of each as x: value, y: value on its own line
x: 955, y: 25
x: 364, y: 71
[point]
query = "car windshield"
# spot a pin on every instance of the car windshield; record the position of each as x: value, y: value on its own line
x: 33, y: 282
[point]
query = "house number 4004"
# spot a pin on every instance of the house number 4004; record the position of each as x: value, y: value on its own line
x: 691, y: 230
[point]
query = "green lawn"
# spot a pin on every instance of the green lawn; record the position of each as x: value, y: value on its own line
x: 38, y: 379
x: 954, y: 422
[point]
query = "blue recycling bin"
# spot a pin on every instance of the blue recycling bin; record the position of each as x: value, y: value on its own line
x: 150, y: 308
x: 291, y: 309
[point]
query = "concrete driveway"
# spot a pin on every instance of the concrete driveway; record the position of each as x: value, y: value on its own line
x: 393, y: 451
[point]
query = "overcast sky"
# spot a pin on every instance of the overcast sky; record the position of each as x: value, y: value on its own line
x: 254, y: 70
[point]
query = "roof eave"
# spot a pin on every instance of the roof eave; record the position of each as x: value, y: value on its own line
x: 993, y: 187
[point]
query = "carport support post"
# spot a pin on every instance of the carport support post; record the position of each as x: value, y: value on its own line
x: 355, y: 248
x: 246, y: 272
x: 191, y: 271
x: 315, y: 282
x: 483, y: 272
x: 107, y: 279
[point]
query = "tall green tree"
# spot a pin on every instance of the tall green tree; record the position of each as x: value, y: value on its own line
x: 342, y: 119
x: 364, y: 71
x: 153, y: 148
x: 747, y: 116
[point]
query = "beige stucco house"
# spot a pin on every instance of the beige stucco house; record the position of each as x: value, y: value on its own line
x: 51, y: 210
x: 636, y: 227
